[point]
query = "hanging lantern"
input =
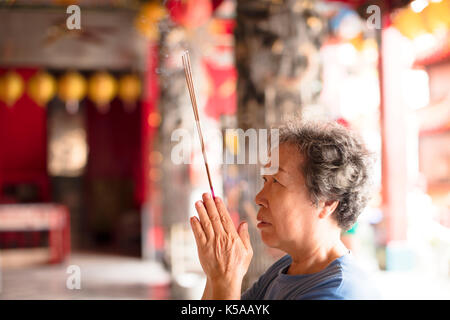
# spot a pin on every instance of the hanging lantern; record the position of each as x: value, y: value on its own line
x: 437, y: 16
x: 409, y: 23
x: 102, y: 89
x: 129, y: 91
x: 41, y: 88
x: 72, y: 89
x: 147, y: 19
x: 190, y: 13
x: 11, y: 87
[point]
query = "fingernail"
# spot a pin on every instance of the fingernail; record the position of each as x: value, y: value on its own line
x: 198, y: 203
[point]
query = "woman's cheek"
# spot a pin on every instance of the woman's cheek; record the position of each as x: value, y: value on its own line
x: 292, y: 224
x: 279, y: 230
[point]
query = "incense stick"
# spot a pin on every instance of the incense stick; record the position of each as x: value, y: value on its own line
x: 190, y: 85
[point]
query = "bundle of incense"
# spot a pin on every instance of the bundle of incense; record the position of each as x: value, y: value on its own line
x: 190, y: 85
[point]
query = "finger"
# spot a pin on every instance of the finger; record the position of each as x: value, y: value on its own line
x: 204, y: 220
x: 244, y: 235
x: 213, y: 214
x: 199, y: 234
x: 227, y: 222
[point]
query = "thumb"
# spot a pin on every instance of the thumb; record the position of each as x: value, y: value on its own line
x: 244, y: 235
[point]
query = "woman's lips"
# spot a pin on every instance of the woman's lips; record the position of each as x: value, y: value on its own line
x: 263, y: 224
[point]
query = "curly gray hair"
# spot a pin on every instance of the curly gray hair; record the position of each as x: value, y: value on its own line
x: 335, y: 164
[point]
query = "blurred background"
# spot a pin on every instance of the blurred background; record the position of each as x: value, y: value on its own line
x: 90, y: 97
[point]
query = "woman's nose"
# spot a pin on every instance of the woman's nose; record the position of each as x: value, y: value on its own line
x: 260, y: 199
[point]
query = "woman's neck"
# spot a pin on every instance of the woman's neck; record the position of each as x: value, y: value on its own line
x: 316, y: 259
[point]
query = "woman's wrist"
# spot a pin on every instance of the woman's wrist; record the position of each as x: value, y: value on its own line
x: 222, y: 289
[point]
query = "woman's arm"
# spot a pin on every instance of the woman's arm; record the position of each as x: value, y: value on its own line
x: 207, y: 293
x: 221, y: 291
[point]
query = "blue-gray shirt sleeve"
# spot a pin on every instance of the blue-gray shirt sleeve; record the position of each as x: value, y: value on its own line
x: 252, y: 292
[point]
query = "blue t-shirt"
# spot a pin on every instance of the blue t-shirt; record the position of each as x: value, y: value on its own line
x: 341, y: 279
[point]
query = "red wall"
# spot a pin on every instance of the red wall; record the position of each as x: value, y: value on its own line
x: 23, y: 141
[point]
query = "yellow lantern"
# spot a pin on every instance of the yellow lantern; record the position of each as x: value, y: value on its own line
x: 437, y: 16
x: 72, y: 89
x: 409, y: 23
x: 11, y: 87
x: 102, y: 89
x: 129, y: 90
x: 41, y: 88
x: 147, y: 19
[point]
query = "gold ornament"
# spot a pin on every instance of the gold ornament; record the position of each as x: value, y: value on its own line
x: 72, y: 89
x: 129, y: 90
x: 102, y: 89
x: 147, y: 19
x: 41, y: 88
x: 11, y: 87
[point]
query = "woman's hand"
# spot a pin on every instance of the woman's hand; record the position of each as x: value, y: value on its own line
x: 225, y: 253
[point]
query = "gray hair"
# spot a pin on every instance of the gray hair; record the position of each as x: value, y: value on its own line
x: 335, y: 164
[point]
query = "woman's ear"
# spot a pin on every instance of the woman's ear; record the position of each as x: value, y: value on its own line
x: 327, y: 208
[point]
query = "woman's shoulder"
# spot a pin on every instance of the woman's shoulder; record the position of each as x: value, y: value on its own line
x: 355, y: 281
x: 342, y: 279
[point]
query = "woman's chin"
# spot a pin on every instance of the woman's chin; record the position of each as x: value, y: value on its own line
x: 268, y: 239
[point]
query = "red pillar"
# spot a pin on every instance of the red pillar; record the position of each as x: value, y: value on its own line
x: 393, y: 126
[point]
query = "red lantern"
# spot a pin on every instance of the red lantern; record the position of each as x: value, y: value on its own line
x: 190, y: 13
x: 216, y: 4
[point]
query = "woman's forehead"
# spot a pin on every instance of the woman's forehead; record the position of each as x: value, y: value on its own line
x: 289, y: 159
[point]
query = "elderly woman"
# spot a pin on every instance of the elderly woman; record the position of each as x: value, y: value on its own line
x: 320, y: 189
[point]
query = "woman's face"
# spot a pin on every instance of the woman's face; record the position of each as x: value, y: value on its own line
x: 287, y: 218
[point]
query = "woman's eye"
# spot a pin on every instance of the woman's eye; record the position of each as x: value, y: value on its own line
x: 274, y: 180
